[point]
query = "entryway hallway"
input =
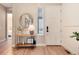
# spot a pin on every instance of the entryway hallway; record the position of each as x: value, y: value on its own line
x: 48, y: 26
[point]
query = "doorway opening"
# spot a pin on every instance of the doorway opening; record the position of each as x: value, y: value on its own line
x: 9, y: 25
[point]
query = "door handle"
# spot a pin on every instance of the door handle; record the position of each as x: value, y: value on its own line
x: 47, y: 29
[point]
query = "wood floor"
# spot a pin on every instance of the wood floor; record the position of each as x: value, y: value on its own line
x: 6, y: 49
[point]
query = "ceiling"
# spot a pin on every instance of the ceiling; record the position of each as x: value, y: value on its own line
x: 7, y: 5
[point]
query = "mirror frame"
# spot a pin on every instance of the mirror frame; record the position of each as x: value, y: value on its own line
x: 30, y: 17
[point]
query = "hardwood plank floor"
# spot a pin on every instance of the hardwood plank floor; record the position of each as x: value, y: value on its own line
x: 6, y: 49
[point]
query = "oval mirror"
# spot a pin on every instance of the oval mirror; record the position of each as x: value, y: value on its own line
x: 25, y: 20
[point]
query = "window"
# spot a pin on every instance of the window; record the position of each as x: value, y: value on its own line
x: 40, y: 21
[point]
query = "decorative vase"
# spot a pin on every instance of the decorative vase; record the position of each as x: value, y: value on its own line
x: 31, y: 32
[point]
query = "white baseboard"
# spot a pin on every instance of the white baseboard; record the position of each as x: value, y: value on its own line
x: 2, y: 40
x: 40, y: 45
x: 70, y: 51
x: 13, y: 45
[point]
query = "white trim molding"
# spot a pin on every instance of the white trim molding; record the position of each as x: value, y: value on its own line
x: 40, y: 44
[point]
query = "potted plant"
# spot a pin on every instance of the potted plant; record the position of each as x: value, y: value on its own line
x: 76, y: 35
x: 19, y: 29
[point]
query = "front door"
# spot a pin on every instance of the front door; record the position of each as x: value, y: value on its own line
x: 52, y: 25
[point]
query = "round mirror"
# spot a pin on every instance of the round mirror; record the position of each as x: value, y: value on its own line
x: 25, y: 20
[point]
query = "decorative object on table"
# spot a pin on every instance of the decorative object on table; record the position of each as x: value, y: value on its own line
x: 30, y: 40
x: 34, y: 41
x: 26, y: 31
x: 76, y: 35
x: 31, y: 29
x: 19, y: 29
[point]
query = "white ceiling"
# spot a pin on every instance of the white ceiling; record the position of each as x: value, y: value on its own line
x: 7, y: 5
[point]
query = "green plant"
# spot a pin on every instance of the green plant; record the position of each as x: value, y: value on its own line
x: 76, y: 35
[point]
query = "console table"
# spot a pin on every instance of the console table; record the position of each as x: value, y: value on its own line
x: 22, y: 39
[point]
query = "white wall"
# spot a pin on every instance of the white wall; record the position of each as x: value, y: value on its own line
x: 2, y: 23
x: 70, y: 23
x: 19, y: 9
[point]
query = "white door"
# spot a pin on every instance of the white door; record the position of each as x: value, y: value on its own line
x: 52, y: 25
